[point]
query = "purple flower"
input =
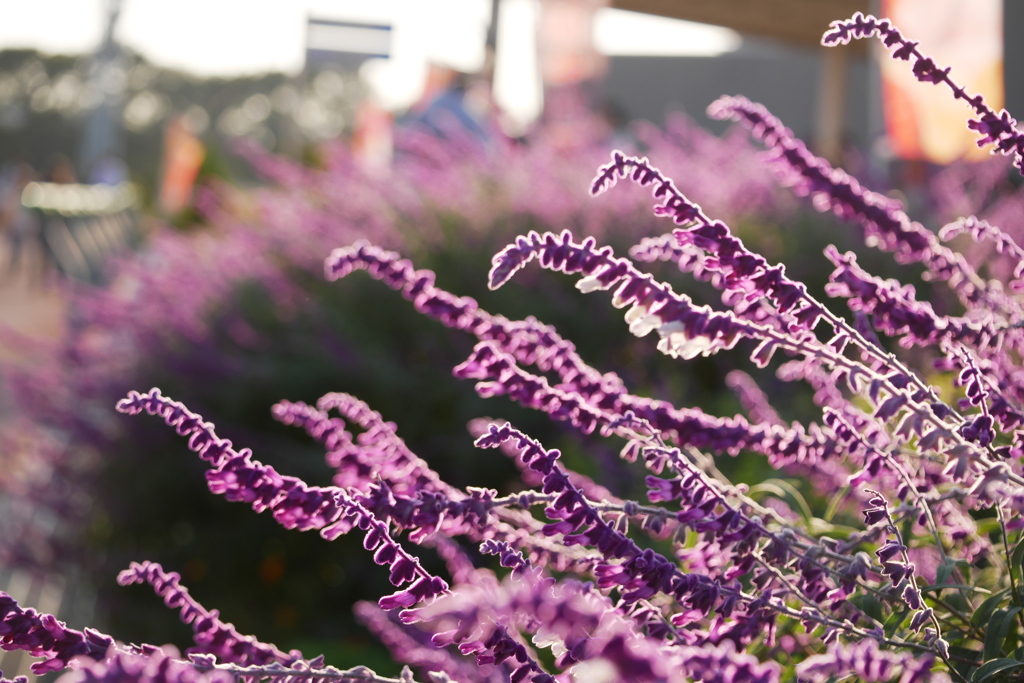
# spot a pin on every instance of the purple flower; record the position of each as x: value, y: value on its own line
x: 532, y: 342
x: 211, y: 635
x: 920, y: 619
x: 866, y: 662
x: 925, y: 70
x: 999, y: 129
x: 890, y: 549
x: 156, y: 667
x: 41, y: 635
x: 643, y: 572
x: 874, y: 516
x: 886, y: 224
x: 293, y: 503
x: 706, y: 578
x: 740, y: 268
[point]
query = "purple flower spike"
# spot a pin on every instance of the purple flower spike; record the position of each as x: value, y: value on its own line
x: 895, y: 309
x: 999, y: 129
x: 41, y: 635
x: 202, y: 438
x: 686, y: 329
x: 531, y: 342
x: 509, y: 556
x: 890, y: 549
x: 981, y: 428
x: 740, y: 270
x: 643, y: 573
x: 413, y: 646
x: 900, y: 571
x: 155, y: 667
x: 293, y: 503
x: 211, y: 635
x: 886, y: 225
x: 865, y: 661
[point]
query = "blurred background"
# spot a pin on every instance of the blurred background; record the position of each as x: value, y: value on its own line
x: 106, y: 91
x: 172, y: 175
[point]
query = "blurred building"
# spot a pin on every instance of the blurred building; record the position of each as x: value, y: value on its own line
x: 823, y: 94
x: 345, y: 45
x: 834, y: 97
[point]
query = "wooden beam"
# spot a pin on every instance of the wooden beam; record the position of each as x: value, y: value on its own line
x: 795, y: 21
x: 830, y: 123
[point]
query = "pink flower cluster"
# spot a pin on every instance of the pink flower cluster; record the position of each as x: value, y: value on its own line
x: 818, y: 573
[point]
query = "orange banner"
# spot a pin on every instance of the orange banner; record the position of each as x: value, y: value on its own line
x: 921, y: 119
x: 183, y: 157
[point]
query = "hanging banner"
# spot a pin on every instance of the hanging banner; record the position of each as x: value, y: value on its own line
x: 921, y: 119
x: 183, y: 157
x: 565, y: 42
x: 372, y: 137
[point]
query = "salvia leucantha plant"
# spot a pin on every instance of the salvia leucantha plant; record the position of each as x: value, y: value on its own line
x: 706, y: 580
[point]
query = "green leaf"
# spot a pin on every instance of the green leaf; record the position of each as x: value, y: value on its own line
x: 997, y: 630
x: 836, y: 500
x: 944, y: 586
x: 894, y: 621
x: 943, y: 572
x: 1017, y: 559
x: 907, y: 528
x: 791, y: 493
x: 963, y: 660
x: 984, y: 611
x: 989, y: 669
x: 766, y: 487
x: 987, y: 526
x: 870, y: 605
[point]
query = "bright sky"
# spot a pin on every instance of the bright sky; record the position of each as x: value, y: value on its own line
x: 230, y: 37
